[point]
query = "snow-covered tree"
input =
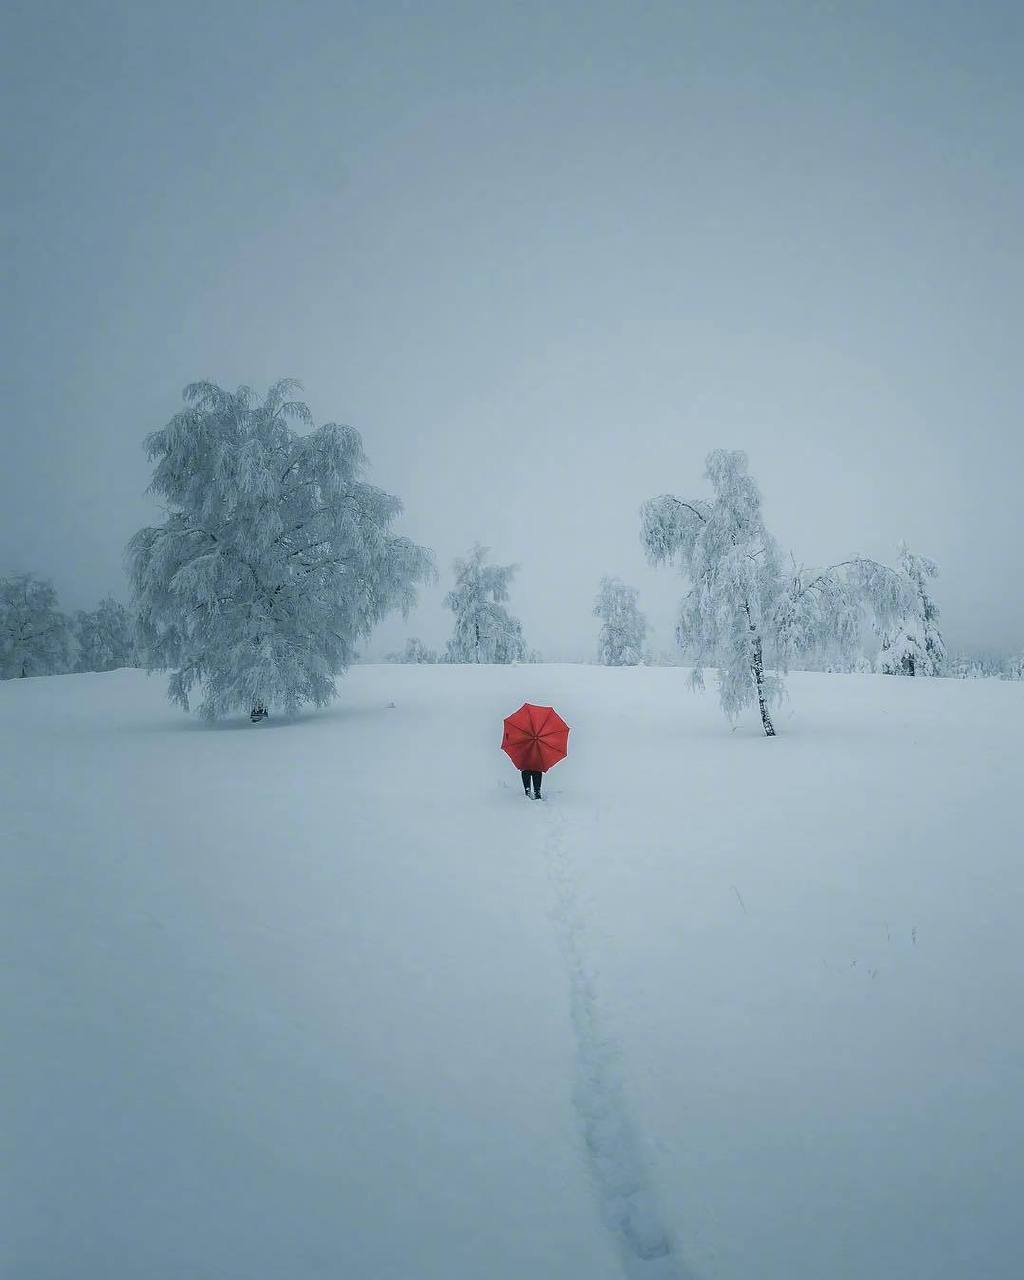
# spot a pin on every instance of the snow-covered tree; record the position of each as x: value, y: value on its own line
x: 415, y: 652
x: 623, y: 626
x: 1016, y: 669
x: 36, y: 638
x: 485, y: 631
x: 104, y: 637
x: 276, y: 557
x: 734, y: 567
x: 912, y: 645
x: 743, y: 604
x: 826, y: 611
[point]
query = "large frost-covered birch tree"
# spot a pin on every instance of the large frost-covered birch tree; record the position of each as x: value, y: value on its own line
x: 484, y: 630
x: 104, y: 637
x: 275, y: 559
x: 620, y: 642
x: 912, y: 645
x: 745, y: 611
x: 36, y: 638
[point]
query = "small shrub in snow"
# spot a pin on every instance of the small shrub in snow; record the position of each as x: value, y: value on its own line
x: 623, y: 626
x: 485, y: 631
x: 36, y: 638
x: 276, y: 557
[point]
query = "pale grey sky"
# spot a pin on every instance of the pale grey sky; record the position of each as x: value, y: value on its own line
x: 543, y: 256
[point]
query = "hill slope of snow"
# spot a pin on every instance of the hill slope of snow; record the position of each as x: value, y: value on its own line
x: 329, y: 997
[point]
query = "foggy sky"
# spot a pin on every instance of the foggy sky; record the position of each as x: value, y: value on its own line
x: 543, y: 257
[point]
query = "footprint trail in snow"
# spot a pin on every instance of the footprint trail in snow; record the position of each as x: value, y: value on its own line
x: 610, y: 1142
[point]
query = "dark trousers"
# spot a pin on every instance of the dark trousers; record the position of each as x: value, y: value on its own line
x: 531, y: 775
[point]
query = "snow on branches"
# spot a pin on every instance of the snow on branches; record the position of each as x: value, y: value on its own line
x: 36, y: 638
x: 732, y: 563
x: 912, y: 643
x: 276, y: 557
x: 104, y: 636
x: 484, y: 629
x: 623, y: 626
x: 743, y: 607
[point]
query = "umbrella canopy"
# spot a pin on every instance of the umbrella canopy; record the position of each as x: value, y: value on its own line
x: 535, y: 737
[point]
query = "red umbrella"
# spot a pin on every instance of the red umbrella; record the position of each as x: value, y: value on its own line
x: 535, y: 737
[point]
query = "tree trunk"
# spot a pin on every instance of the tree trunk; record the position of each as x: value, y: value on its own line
x: 758, y: 669
x: 476, y: 628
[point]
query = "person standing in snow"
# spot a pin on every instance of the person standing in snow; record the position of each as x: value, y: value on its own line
x: 534, y: 776
x: 534, y: 736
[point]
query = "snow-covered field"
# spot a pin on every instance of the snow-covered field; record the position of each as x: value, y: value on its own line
x: 329, y: 998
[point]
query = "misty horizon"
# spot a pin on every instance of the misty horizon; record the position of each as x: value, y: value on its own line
x: 543, y: 261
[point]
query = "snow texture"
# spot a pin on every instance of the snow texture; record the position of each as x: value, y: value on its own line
x: 310, y: 999
x: 612, y: 1147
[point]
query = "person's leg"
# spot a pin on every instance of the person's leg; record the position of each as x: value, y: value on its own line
x: 537, y: 775
x: 526, y: 780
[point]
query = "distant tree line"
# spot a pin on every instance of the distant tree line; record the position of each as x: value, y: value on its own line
x: 277, y: 559
x: 964, y: 666
x: 37, y: 638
